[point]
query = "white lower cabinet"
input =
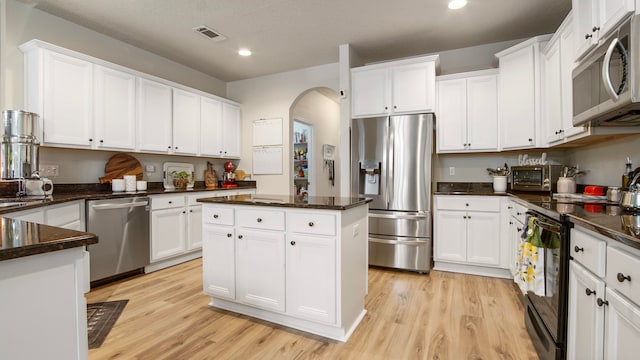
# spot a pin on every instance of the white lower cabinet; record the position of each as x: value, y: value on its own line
x: 604, y: 306
x: 176, y: 232
x: 69, y: 215
x: 467, y: 235
x: 287, y: 265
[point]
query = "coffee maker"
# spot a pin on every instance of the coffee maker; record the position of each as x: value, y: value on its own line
x: 229, y: 176
x: 19, y: 155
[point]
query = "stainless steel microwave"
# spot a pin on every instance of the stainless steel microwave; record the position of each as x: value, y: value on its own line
x: 535, y: 177
x: 606, y: 83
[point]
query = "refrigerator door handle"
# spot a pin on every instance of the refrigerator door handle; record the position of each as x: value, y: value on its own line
x: 390, y: 157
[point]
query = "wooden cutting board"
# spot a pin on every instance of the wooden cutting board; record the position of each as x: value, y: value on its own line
x: 120, y: 165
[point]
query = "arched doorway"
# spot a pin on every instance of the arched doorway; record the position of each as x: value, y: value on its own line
x: 315, y: 118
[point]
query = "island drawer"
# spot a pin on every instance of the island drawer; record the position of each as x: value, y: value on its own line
x: 623, y: 273
x: 468, y: 203
x: 167, y: 202
x: 261, y: 219
x: 217, y: 215
x: 312, y: 223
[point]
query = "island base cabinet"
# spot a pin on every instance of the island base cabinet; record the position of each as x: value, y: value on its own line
x: 311, y: 273
x: 42, y: 306
x: 260, y: 268
x: 218, y: 261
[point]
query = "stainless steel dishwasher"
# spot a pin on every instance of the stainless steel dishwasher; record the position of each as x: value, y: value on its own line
x: 123, y: 247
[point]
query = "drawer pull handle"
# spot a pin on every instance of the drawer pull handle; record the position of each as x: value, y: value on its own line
x: 589, y: 291
x: 293, y: 243
x: 518, y: 213
x: 519, y: 229
x: 466, y: 204
x: 259, y: 220
x: 311, y: 223
x: 622, y: 278
x: 602, y: 302
x: 578, y: 249
x: 229, y: 235
x: 215, y: 216
x: 240, y: 237
x: 170, y: 202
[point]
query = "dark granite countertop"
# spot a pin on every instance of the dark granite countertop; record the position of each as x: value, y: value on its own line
x: 313, y: 202
x: 465, y: 188
x: 23, y: 238
x: 70, y: 192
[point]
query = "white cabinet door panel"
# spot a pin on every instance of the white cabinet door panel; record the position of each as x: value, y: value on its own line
x: 115, y: 109
x: 210, y: 127
x: 483, y: 238
x: 218, y: 261
x: 451, y: 120
x: 186, y: 122
x: 413, y: 87
x: 451, y: 236
x: 370, y: 89
x: 167, y: 233
x: 194, y: 228
x: 231, y: 122
x: 482, y: 113
x: 622, y: 330
x: 154, y: 116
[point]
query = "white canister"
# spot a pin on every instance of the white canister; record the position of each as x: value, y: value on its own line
x: 141, y: 185
x: 130, y: 182
x: 500, y: 184
x: 566, y: 185
x: 117, y: 185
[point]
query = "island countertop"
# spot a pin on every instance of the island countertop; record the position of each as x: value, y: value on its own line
x: 312, y: 202
x: 22, y: 238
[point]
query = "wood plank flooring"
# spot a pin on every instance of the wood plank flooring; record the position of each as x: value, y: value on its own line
x: 410, y: 316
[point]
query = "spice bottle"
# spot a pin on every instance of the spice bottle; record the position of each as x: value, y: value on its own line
x: 626, y: 175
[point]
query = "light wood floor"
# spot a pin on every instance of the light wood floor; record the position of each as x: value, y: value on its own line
x: 410, y: 316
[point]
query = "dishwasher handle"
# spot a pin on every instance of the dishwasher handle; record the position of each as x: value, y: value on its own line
x: 119, y: 206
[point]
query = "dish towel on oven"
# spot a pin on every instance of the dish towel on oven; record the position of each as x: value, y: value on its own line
x: 530, y: 274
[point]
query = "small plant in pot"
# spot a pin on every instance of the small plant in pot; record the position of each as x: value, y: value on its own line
x: 181, y: 179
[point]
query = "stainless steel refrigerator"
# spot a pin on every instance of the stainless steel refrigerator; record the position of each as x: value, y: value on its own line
x: 391, y: 164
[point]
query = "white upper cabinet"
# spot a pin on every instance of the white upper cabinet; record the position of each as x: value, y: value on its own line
x: 396, y: 87
x: 519, y: 94
x: 467, y: 112
x: 59, y: 88
x: 186, y: 122
x: 154, y: 116
x: 88, y: 103
x: 210, y: 126
x: 230, y: 131
x: 595, y: 19
x: 114, y: 109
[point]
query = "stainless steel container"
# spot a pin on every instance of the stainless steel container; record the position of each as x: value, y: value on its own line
x: 19, y: 160
x: 20, y: 126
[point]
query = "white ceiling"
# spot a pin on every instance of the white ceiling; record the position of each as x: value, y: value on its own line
x: 293, y: 34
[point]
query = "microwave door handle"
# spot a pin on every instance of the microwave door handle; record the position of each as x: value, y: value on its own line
x: 606, y: 76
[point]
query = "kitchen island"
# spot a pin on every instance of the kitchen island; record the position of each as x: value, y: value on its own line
x: 43, y: 279
x: 302, y: 264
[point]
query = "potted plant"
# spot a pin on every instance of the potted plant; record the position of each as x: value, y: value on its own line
x: 181, y: 179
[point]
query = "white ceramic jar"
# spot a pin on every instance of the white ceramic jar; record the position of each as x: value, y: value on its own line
x: 566, y: 185
x: 499, y: 184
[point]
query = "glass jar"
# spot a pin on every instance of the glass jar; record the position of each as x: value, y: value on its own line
x: 614, y: 194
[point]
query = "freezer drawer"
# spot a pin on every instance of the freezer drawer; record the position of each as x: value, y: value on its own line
x: 400, y: 253
x: 400, y: 224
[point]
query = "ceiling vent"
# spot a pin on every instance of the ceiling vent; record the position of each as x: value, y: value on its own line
x: 209, y: 33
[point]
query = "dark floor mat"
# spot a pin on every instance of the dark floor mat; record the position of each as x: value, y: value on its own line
x: 100, y: 319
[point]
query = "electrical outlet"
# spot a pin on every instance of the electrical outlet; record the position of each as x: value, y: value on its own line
x: 150, y: 168
x: 49, y: 170
x: 452, y: 170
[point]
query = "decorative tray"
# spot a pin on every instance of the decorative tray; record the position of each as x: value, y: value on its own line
x: 170, y: 167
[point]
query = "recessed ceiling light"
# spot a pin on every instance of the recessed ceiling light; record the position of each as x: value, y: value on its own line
x: 244, y: 52
x: 457, y: 4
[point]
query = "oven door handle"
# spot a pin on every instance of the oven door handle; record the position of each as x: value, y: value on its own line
x: 548, y: 226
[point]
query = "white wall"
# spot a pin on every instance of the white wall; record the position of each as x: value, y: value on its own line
x: 24, y: 23
x: 271, y: 97
x: 323, y: 114
x: 605, y: 162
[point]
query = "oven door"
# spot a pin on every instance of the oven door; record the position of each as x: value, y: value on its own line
x: 547, y: 300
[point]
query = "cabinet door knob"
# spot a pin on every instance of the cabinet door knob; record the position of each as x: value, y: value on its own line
x: 101, y: 141
x: 587, y: 36
x: 90, y: 140
x: 518, y: 213
x: 170, y: 202
x: 519, y: 229
x: 176, y: 148
x: 464, y: 216
x: 466, y: 204
x: 190, y: 211
x: 510, y: 222
x: 395, y: 107
x: 589, y: 291
x: 215, y: 216
x: 622, y: 278
x: 595, y: 28
x: 293, y: 243
x: 578, y: 249
x: 530, y: 139
x: 229, y: 235
x: 602, y: 302
x: 311, y: 223
x: 259, y: 220
x: 386, y: 108
x: 168, y: 147
x: 239, y: 236
x: 468, y: 217
x: 509, y: 207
